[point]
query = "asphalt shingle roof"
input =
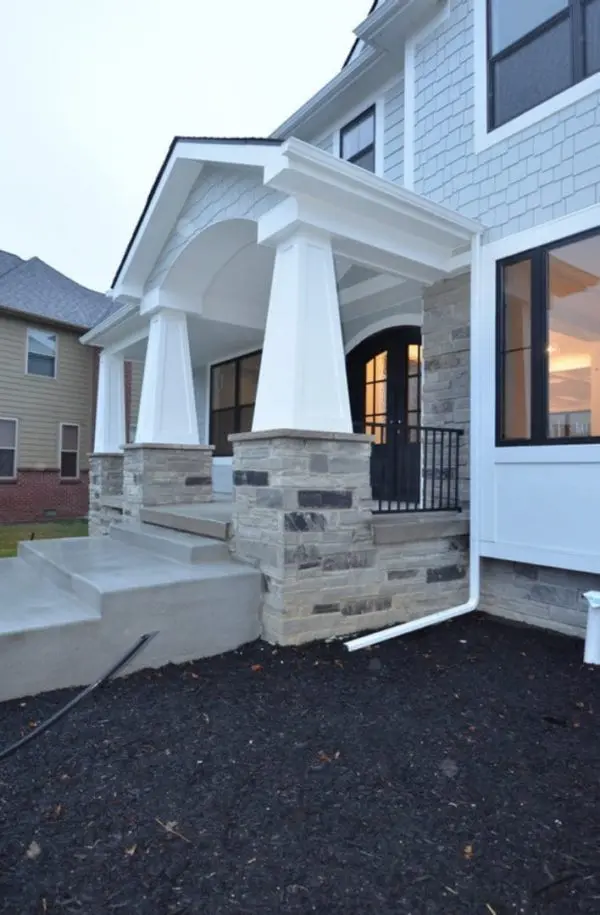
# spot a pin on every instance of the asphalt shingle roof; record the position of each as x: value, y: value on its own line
x: 33, y: 287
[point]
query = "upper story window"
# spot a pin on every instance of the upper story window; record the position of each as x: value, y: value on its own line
x: 536, y: 49
x: 357, y: 141
x: 549, y: 344
x: 41, y: 353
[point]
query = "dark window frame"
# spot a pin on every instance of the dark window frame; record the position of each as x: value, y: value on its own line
x: 237, y: 407
x: 370, y: 147
x: 575, y: 13
x: 539, y: 346
x: 62, y: 451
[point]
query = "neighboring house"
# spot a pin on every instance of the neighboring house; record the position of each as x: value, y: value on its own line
x: 432, y: 215
x: 47, y: 390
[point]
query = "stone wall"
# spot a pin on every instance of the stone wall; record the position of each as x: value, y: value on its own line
x: 302, y: 515
x: 446, y: 352
x: 166, y: 475
x: 106, y: 488
x: 537, y: 595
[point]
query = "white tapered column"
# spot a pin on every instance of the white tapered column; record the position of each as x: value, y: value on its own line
x: 167, y: 414
x: 110, y: 434
x: 302, y: 382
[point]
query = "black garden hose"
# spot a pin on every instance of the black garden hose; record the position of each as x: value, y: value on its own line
x: 127, y: 657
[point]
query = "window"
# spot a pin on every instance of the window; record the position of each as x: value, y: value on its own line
x: 537, y: 49
x: 357, y: 141
x: 233, y: 388
x: 41, y: 353
x: 8, y: 449
x: 69, y: 452
x: 549, y: 344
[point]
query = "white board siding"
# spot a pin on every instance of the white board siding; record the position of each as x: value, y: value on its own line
x: 393, y: 149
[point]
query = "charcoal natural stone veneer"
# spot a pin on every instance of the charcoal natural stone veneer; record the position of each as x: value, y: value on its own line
x: 106, y: 488
x: 165, y: 475
x: 311, y: 533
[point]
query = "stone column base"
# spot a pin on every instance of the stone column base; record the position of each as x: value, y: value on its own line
x: 106, y: 488
x: 166, y: 475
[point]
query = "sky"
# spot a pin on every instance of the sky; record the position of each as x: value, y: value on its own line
x: 92, y: 92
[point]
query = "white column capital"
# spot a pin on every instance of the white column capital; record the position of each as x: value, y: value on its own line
x: 302, y: 382
x: 110, y: 433
x: 167, y: 414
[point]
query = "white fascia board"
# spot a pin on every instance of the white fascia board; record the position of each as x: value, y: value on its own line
x: 388, y: 27
x: 180, y: 173
x: 360, y: 79
x: 93, y: 337
x: 304, y: 170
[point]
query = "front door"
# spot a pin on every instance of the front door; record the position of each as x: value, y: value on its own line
x: 384, y: 382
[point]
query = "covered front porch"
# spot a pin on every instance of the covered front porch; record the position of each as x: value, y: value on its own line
x: 298, y: 302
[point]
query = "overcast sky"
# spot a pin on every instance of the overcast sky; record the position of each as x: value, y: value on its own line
x: 94, y: 90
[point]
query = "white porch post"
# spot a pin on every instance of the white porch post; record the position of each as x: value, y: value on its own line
x: 302, y: 382
x: 110, y: 433
x: 167, y: 414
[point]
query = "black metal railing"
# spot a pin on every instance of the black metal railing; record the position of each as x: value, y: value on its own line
x: 414, y: 468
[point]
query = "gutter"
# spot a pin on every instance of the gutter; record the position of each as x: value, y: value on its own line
x: 472, y: 603
x: 112, y: 320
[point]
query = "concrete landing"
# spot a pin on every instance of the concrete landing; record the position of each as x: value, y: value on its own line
x: 70, y: 608
x: 173, y: 544
x: 208, y: 519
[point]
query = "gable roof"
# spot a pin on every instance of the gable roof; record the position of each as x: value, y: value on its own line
x: 8, y: 261
x: 34, y: 288
x: 174, y: 188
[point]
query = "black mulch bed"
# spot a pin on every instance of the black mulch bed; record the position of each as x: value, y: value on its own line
x: 453, y: 771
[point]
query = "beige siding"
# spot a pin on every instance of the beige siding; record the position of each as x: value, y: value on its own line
x: 137, y: 373
x: 41, y: 404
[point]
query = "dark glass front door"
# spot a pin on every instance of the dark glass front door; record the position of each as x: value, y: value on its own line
x: 384, y: 381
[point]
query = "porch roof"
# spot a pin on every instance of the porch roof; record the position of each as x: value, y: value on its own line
x: 361, y: 211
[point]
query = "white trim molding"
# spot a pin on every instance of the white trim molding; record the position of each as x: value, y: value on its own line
x: 555, y: 230
x: 484, y: 138
x: 410, y: 320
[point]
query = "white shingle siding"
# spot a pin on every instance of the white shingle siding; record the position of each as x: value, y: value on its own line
x: 393, y: 148
x: 327, y: 144
x: 548, y: 170
x: 219, y: 194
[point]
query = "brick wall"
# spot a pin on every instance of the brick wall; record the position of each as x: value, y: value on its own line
x: 37, y: 491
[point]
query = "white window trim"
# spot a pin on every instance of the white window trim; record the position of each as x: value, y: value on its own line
x: 68, y: 451
x: 556, y: 230
x: 34, y: 374
x: 484, y: 138
x: 13, y: 419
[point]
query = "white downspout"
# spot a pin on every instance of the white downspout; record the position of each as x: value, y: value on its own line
x: 474, y: 489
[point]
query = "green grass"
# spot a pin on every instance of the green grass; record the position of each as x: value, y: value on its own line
x: 11, y: 534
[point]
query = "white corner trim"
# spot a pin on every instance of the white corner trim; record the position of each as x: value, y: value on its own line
x: 544, y: 234
x: 380, y: 136
x: 485, y: 139
x: 410, y: 92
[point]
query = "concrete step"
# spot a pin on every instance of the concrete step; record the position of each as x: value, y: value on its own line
x: 177, y: 545
x: 115, y: 593
x: 393, y: 528
x: 207, y: 519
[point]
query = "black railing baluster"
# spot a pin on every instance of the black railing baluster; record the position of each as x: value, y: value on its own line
x: 415, y: 468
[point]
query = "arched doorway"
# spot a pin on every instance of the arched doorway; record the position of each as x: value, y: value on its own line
x: 384, y: 383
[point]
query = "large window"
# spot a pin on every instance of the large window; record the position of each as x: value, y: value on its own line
x: 536, y: 49
x: 41, y: 353
x: 549, y: 344
x: 233, y: 388
x: 8, y: 449
x: 357, y: 141
x: 69, y: 451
